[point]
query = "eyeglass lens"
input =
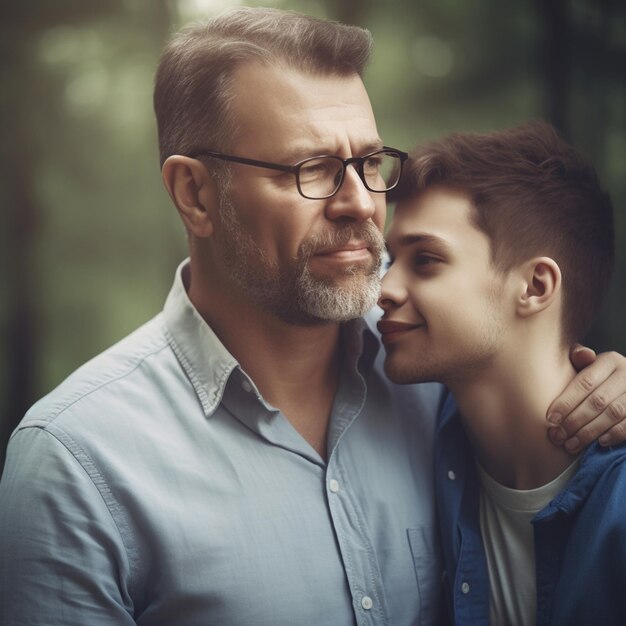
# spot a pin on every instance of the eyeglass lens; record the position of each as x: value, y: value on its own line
x: 321, y: 177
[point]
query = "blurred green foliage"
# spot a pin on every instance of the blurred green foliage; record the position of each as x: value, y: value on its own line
x: 89, y: 238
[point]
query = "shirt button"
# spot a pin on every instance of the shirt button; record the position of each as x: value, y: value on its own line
x: 333, y: 485
x: 451, y: 475
x: 246, y: 386
x: 367, y: 603
x: 465, y: 587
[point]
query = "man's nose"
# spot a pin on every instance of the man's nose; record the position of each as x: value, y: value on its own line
x: 353, y: 201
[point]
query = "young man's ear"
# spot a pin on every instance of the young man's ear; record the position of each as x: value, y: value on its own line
x: 193, y: 191
x: 541, y: 284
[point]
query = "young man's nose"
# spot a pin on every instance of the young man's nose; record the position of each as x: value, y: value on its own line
x: 392, y: 292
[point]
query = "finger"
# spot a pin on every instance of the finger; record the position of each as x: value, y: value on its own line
x: 615, y: 435
x: 594, y: 406
x: 609, y: 428
x: 601, y: 372
x: 581, y: 356
x: 557, y: 435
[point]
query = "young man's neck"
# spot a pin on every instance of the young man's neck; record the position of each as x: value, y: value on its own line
x: 504, y: 413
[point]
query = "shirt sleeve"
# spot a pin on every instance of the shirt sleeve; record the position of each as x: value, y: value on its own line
x: 62, y: 558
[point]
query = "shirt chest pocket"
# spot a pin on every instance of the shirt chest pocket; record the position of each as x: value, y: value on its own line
x: 426, y: 559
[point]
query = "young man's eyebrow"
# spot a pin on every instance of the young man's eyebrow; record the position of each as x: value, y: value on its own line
x: 408, y: 240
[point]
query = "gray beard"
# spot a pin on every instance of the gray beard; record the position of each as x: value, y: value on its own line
x: 292, y: 293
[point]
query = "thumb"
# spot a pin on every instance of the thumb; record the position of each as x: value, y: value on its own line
x: 581, y: 356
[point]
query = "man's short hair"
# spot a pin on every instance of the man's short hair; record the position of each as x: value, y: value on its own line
x: 193, y: 82
x: 533, y: 194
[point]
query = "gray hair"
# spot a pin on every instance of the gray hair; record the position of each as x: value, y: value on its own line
x: 193, y: 85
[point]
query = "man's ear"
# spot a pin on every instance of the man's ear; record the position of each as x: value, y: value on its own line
x: 541, y: 285
x: 193, y: 191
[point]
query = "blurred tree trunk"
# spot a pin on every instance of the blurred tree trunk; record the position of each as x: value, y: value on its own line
x: 21, y: 219
x: 22, y: 282
x: 22, y: 154
x: 556, y: 59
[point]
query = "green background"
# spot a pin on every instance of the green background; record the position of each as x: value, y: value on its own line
x: 88, y: 238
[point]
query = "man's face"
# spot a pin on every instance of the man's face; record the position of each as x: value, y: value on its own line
x: 444, y: 302
x: 307, y: 261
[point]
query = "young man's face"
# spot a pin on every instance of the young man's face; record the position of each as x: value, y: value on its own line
x: 445, y: 315
x: 306, y: 260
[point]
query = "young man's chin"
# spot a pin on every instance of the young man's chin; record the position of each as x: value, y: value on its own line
x: 399, y: 373
x: 402, y: 369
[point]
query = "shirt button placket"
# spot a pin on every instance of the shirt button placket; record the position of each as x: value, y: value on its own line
x: 364, y: 601
x: 367, y: 603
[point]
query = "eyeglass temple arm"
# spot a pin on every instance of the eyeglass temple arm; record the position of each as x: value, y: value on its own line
x: 234, y: 159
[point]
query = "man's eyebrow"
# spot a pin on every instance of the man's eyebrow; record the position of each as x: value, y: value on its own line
x: 305, y: 151
x: 371, y: 146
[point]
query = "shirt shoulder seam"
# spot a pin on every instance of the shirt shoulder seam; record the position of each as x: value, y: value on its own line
x: 55, y: 412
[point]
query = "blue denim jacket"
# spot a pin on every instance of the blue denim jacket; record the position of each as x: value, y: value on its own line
x: 580, y: 537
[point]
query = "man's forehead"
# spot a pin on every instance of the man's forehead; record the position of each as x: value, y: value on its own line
x: 290, y: 87
x: 302, y: 113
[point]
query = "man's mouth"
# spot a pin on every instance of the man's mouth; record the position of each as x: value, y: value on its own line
x: 353, y: 251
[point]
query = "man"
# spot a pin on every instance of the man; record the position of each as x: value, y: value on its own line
x: 241, y: 458
x: 502, y: 248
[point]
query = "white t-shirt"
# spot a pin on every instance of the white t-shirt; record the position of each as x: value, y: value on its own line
x: 509, y: 542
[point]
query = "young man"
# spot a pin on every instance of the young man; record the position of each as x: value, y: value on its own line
x: 241, y: 459
x: 501, y: 248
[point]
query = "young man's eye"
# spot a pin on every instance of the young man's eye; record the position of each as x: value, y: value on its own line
x: 423, y: 259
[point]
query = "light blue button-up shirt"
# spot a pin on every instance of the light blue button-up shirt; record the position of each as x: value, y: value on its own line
x: 156, y: 486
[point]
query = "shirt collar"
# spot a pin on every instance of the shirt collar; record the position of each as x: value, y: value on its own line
x: 595, y: 461
x: 359, y: 345
x: 209, y: 365
x: 206, y: 361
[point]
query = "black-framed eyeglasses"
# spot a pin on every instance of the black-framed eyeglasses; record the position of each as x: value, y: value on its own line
x: 320, y: 177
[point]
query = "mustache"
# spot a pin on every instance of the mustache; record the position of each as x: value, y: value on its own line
x: 341, y: 235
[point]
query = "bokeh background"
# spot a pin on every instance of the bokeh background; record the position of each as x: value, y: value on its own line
x: 88, y: 238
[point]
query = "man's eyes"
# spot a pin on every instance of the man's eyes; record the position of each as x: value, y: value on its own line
x: 315, y: 169
x: 372, y: 163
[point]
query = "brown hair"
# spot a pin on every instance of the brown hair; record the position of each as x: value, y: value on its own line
x: 533, y: 194
x: 192, y: 86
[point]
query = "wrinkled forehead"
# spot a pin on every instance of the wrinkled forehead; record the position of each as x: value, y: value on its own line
x: 292, y: 109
